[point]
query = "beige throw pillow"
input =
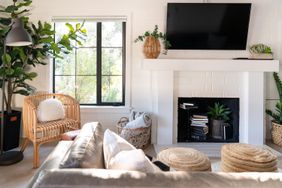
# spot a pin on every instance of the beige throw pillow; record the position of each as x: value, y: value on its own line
x: 87, y: 149
x: 119, y: 154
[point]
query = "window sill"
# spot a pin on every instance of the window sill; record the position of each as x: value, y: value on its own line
x: 105, y: 109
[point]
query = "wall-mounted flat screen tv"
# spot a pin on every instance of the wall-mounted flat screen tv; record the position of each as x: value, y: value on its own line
x: 208, y: 26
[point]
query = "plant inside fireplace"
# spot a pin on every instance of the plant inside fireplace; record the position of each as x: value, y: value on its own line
x: 219, y: 115
x: 219, y: 112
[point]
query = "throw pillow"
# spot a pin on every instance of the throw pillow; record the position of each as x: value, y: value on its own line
x: 112, y: 145
x: 50, y: 110
x: 87, y: 149
x: 131, y: 160
x: 119, y: 154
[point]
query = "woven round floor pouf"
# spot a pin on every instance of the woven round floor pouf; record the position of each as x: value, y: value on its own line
x: 247, y: 158
x: 185, y: 159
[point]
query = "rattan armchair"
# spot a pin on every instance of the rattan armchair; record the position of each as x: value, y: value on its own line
x: 42, y: 132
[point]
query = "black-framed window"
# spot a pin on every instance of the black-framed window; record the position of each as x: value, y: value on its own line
x: 94, y: 73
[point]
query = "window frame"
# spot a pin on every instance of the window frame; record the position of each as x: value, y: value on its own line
x: 99, y: 75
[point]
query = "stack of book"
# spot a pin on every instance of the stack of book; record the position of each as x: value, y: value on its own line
x: 199, y: 128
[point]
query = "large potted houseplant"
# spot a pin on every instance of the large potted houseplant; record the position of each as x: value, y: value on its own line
x: 152, y: 47
x: 17, y: 62
x: 276, y: 131
x: 219, y: 115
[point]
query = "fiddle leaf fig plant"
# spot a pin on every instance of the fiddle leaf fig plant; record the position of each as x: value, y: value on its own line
x: 17, y: 62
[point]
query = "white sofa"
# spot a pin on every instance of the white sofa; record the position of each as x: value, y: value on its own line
x: 49, y: 175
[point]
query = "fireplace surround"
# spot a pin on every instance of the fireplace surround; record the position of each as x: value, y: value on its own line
x: 199, y: 106
x: 243, y: 79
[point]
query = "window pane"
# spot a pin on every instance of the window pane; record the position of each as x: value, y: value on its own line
x: 111, y: 88
x: 65, y: 85
x: 75, y: 74
x: 86, y: 61
x: 91, y: 34
x: 112, y: 34
x: 66, y: 65
x: 112, y: 61
x: 86, y: 89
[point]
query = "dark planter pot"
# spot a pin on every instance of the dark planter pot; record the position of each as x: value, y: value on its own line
x: 11, y: 130
x: 217, y: 128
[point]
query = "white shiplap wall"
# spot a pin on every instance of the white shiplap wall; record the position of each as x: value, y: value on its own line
x: 265, y: 27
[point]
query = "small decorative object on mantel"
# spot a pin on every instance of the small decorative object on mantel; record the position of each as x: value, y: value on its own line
x: 276, y: 130
x: 152, y: 47
x: 261, y: 51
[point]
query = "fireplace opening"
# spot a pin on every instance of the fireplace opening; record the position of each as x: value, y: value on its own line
x: 197, y: 122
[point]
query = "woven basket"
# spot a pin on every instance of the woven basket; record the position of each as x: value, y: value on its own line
x: 277, y: 133
x: 139, y: 138
x: 121, y: 123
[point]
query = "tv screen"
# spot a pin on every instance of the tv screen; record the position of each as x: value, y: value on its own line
x: 208, y: 26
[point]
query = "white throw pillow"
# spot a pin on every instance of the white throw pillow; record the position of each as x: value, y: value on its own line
x: 131, y: 160
x: 120, y: 154
x: 50, y: 110
x: 112, y: 145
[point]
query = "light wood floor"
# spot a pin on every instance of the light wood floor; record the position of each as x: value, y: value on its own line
x: 18, y: 175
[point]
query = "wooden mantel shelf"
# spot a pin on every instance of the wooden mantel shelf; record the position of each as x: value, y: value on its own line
x: 213, y: 65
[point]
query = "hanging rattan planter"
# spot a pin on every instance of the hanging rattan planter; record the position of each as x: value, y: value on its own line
x: 152, y: 47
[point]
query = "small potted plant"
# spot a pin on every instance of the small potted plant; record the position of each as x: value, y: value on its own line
x: 219, y: 115
x: 261, y: 51
x: 152, y: 47
x: 276, y: 131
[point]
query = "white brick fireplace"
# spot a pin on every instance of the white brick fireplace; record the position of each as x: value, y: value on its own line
x: 173, y: 78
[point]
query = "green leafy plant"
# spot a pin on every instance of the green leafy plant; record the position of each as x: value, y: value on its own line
x: 157, y: 35
x: 277, y: 115
x: 19, y: 60
x: 260, y: 49
x: 219, y: 112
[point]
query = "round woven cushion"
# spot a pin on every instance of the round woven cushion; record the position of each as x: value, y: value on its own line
x: 185, y: 159
x: 247, y: 158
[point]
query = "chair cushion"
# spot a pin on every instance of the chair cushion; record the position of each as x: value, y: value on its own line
x: 87, y: 149
x: 120, y: 154
x: 50, y: 110
x: 57, y: 128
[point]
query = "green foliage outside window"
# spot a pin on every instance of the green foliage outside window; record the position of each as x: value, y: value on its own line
x: 76, y: 74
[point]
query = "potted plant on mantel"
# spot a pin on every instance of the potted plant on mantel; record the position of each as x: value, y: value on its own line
x: 19, y: 60
x: 219, y: 115
x: 276, y: 131
x: 152, y: 47
x: 261, y: 51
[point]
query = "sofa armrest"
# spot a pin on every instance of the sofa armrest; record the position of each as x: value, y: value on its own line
x: 99, y: 178
x: 53, y: 160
